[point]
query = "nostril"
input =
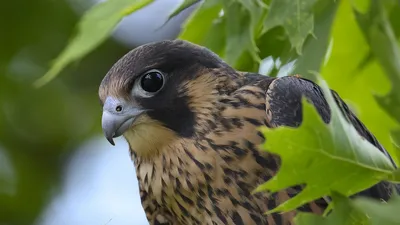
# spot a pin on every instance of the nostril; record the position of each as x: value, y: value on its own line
x: 118, y: 108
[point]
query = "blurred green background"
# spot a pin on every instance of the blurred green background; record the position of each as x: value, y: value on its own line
x: 42, y: 130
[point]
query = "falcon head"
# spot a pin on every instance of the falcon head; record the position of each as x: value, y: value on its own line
x: 154, y: 93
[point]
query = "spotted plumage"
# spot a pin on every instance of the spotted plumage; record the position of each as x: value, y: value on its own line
x: 191, y: 123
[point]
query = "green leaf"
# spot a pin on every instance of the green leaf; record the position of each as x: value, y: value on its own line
x: 355, y: 85
x: 361, y: 6
x: 360, y: 211
x: 215, y: 39
x: 391, y: 103
x: 94, y: 28
x: 296, y: 17
x: 309, y: 219
x: 274, y: 43
x: 343, y: 213
x: 243, y: 25
x: 257, y: 10
x: 347, y: 162
x: 396, y: 137
x: 379, y: 212
x: 315, y: 49
x: 396, y: 143
x: 380, y: 36
x: 394, y: 19
x: 184, y: 5
x: 205, y: 27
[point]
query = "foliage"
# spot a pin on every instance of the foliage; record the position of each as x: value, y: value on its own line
x: 380, y: 36
x: 355, y: 212
x: 330, y: 156
x: 352, y: 44
x: 93, y: 29
x: 378, y: 212
x: 345, y: 214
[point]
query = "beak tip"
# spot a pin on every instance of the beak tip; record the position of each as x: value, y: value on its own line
x: 111, y: 140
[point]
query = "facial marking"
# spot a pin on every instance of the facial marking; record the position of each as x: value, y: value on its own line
x: 148, y: 137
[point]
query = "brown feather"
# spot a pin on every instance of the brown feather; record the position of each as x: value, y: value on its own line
x: 205, y: 174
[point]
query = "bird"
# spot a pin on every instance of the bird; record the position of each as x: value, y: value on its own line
x: 191, y: 122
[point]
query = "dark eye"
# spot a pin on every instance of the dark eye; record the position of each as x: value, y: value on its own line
x: 118, y: 108
x: 152, y: 81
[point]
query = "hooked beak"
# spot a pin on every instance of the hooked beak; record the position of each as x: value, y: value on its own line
x: 117, y: 118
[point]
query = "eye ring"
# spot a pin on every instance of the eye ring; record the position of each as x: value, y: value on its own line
x: 118, y: 108
x: 152, y: 81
